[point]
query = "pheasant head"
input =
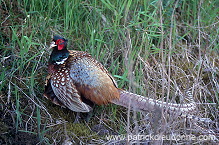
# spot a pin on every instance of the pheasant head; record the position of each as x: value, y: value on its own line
x: 60, y: 53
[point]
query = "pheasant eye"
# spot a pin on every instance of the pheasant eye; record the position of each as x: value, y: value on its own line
x: 59, y: 42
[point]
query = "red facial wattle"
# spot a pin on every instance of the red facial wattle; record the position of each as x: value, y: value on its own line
x: 60, y: 44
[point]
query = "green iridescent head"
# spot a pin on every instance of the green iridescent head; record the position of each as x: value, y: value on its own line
x: 60, y: 53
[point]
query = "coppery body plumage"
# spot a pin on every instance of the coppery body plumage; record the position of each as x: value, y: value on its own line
x: 72, y: 80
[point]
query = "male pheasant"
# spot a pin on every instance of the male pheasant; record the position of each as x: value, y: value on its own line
x: 78, y: 81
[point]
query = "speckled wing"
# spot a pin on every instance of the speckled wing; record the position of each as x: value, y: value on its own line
x: 91, y: 79
x: 49, y: 93
x: 66, y: 92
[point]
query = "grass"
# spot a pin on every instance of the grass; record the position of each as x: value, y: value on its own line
x: 153, y: 48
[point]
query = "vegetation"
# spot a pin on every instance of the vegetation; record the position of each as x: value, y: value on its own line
x: 154, y: 48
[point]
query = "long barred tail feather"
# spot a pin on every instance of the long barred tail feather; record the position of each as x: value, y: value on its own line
x: 141, y: 103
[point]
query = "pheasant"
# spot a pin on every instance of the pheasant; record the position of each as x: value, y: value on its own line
x: 77, y: 81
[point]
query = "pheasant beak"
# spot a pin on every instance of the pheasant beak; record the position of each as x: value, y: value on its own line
x: 52, y: 44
